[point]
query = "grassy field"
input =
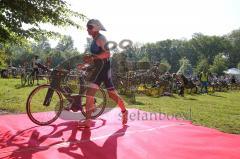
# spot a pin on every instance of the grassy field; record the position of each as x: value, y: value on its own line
x: 220, y: 110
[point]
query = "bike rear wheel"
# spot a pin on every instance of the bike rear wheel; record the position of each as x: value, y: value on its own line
x: 38, y: 111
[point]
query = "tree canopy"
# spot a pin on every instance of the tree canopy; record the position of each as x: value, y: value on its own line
x: 21, y: 20
x: 14, y: 14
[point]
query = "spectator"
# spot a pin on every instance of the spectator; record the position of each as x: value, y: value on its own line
x: 35, y: 63
x: 233, y: 80
x: 204, y: 81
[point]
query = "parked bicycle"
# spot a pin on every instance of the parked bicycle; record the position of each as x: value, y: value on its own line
x: 27, y: 77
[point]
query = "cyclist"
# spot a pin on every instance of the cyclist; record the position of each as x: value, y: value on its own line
x: 102, y: 72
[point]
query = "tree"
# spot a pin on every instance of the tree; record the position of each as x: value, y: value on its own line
x: 186, y: 67
x: 2, y: 59
x: 164, y: 66
x: 65, y: 44
x: 220, y: 64
x: 202, y: 65
x: 15, y: 14
x: 119, y: 63
x: 238, y: 66
x: 42, y: 46
x: 56, y: 57
x: 234, y: 54
x: 20, y: 54
x: 209, y: 46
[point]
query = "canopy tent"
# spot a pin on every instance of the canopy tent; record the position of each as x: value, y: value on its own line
x: 233, y: 71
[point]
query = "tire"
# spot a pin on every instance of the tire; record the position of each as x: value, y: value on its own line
x: 35, y: 107
x: 100, y: 99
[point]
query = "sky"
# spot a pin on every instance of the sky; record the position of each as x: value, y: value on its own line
x: 155, y: 20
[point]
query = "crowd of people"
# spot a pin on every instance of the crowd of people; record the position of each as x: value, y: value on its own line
x: 202, y: 83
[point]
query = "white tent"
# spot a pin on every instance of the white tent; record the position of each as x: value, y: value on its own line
x: 233, y: 71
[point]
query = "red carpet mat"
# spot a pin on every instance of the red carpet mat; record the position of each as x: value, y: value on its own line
x: 145, y: 137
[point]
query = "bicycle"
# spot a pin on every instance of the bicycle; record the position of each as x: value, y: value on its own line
x: 27, y: 77
x: 52, y: 98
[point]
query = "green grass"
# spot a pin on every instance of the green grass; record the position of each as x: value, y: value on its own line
x: 220, y: 110
x: 12, y: 95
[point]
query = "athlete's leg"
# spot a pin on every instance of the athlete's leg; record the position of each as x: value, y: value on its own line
x: 91, y: 91
x: 112, y: 93
x: 94, y: 82
x: 114, y: 96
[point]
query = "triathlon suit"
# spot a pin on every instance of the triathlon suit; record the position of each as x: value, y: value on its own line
x: 102, y: 71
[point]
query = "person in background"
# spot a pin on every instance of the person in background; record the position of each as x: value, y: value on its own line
x: 233, y: 79
x: 35, y: 64
x: 204, y: 80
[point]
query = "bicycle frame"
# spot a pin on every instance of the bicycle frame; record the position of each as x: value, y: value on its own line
x: 57, y: 77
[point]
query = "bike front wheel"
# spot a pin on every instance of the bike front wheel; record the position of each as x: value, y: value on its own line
x: 44, y: 105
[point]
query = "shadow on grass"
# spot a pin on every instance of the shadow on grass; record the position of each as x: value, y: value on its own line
x: 185, y: 98
x: 19, y: 86
x: 129, y: 102
x: 4, y: 111
x: 215, y: 95
x: 181, y: 97
x: 173, y: 96
x: 138, y: 103
x: 195, y: 94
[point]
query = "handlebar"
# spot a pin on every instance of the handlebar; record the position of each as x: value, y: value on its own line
x: 51, y: 70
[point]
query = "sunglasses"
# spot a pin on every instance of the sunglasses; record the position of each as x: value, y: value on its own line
x: 90, y: 27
